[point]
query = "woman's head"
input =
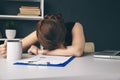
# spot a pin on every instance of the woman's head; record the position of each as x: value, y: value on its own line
x: 51, y: 31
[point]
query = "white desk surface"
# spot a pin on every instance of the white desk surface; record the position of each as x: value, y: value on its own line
x: 83, y: 68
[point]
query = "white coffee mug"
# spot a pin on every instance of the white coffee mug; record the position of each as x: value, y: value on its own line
x: 14, y: 50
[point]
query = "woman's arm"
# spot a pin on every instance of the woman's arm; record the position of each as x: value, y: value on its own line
x: 26, y: 42
x: 78, y: 42
x: 29, y: 40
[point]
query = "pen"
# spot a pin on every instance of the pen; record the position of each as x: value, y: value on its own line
x: 38, y: 62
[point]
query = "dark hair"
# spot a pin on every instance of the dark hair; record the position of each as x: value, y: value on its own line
x: 51, y: 31
x: 56, y: 17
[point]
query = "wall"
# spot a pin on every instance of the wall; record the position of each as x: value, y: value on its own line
x: 100, y: 20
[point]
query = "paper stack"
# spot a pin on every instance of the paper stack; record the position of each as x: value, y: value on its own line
x: 29, y: 11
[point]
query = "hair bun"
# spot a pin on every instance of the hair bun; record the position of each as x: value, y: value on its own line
x: 57, y: 17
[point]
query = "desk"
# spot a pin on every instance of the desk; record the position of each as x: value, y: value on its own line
x: 83, y: 68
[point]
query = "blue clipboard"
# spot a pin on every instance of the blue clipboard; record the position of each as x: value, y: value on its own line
x: 47, y: 64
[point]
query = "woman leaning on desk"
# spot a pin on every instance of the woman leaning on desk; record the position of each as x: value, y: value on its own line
x: 56, y: 37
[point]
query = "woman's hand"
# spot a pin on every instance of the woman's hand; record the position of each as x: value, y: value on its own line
x: 3, y: 49
x: 33, y: 50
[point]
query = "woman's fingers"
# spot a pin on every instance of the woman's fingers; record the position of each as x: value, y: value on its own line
x: 4, y: 55
x: 29, y: 51
x: 5, y: 43
x: 3, y: 48
x: 33, y: 50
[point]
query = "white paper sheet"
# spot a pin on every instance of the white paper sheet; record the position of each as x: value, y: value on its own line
x: 45, y: 59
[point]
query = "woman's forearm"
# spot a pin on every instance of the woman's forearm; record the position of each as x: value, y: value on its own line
x: 29, y: 40
x: 69, y: 51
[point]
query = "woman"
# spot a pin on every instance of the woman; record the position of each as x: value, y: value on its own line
x: 55, y: 37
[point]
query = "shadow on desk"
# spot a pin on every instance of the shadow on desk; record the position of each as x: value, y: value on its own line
x: 87, y: 54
